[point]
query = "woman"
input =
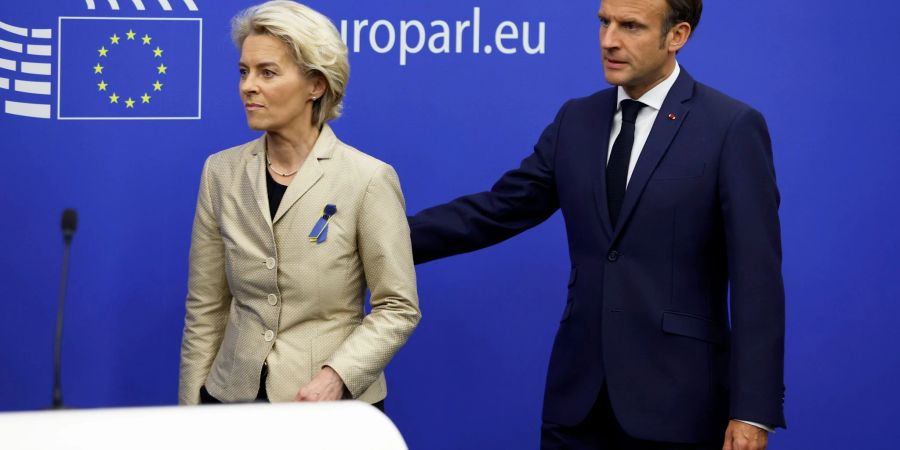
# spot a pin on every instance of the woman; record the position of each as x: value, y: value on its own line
x: 289, y: 231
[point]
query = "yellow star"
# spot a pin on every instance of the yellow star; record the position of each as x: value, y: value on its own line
x: 130, y: 35
x: 102, y: 85
x: 114, y: 39
x: 162, y: 68
x: 146, y: 39
x: 103, y: 51
x: 98, y: 69
x: 145, y: 98
x: 157, y: 86
x: 129, y: 103
x: 157, y: 52
x: 114, y: 98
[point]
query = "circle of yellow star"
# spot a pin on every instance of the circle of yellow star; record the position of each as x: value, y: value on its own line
x: 103, y: 51
x: 145, y: 98
x: 162, y: 68
x: 157, y: 52
x: 129, y: 103
x: 114, y: 98
x: 102, y: 85
x: 157, y: 86
x: 114, y: 38
x: 130, y: 35
x: 146, y: 39
x: 98, y: 68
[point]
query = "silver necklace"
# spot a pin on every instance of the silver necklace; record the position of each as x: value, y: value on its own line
x: 285, y: 175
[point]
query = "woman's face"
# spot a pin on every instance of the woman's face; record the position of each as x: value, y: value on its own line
x: 275, y: 94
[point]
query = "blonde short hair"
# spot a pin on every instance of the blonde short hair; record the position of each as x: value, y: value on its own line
x: 313, y: 39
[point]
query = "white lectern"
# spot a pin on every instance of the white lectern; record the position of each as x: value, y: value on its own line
x: 342, y: 425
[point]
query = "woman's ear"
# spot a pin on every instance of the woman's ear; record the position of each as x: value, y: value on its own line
x: 318, y: 86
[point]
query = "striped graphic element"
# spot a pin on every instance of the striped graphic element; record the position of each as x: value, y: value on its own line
x: 139, y: 5
x: 26, y: 83
x: 27, y: 59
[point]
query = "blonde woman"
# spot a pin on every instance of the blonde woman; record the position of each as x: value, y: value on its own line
x: 290, y: 230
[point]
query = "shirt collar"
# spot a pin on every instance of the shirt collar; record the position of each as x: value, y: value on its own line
x: 655, y: 97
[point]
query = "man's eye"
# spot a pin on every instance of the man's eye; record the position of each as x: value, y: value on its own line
x: 268, y: 73
x: 243, y: 72
x: 604, y: 22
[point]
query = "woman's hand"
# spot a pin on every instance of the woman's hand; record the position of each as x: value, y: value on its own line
x: 327, y: 385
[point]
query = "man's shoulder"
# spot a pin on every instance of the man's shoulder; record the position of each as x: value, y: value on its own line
x: 589, y: 105
x: 603, y: 98
x: 715, y: 100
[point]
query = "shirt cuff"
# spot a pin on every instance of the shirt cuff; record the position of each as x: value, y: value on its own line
x: 757, y: 425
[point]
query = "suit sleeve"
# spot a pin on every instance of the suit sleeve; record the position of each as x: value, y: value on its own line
x: 521, y: 199
x: 384, y: 248
x: 208, y: 299
x: 749, y: 202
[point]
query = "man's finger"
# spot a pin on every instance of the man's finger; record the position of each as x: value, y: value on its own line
x: 728, y: 440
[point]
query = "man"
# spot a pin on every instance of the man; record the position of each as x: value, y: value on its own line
x: 668, y: 192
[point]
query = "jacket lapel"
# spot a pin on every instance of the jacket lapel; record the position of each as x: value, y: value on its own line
x: 256, y: 176
x: 598, y: 151
x: 661, y: 136
x: 310, y: 173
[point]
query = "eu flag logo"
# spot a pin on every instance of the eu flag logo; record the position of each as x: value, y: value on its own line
x: 129, y: 68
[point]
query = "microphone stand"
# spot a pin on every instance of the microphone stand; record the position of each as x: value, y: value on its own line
x: 57, y: 351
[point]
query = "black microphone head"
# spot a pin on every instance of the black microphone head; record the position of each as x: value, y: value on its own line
x: 69, y: 222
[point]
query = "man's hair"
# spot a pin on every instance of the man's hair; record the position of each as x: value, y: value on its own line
x: 683, y: 11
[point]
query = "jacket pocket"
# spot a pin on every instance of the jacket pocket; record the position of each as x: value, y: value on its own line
x: 693, y: 326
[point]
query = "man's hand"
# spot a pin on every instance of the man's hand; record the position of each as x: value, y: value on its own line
x: 743, y: 436
x: 327, y: 385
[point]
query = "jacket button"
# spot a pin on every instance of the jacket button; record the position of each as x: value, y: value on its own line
x: 613, y: 256
x: 273, y: 299
x: 269, y: 335
x: 270, y: 263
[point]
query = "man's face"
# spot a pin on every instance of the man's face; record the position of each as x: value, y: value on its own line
x: 636, y: 54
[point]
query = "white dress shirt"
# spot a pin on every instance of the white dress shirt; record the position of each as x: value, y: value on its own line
x: 653, y: 99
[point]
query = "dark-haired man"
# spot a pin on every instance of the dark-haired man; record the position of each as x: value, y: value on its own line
x: 668, y: 192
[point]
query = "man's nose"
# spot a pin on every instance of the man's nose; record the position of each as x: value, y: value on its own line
x: 609, y: 37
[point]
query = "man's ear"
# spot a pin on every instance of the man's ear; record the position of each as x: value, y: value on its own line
x: 678, y: 36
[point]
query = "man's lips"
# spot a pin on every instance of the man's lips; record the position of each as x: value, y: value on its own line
x: 613, y: 63
x: 253, y: 106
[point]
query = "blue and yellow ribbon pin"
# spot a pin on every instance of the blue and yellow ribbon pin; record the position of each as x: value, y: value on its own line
x: 320, y: 231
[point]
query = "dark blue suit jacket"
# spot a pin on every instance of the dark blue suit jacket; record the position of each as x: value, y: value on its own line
x: 647, y: 310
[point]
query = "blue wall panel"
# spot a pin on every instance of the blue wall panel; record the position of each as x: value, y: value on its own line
x: 472, y: 375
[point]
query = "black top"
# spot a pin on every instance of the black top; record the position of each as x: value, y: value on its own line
x: 275, y: 191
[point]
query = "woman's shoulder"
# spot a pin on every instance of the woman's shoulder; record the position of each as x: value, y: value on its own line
x: 357, y: 157
x: 363, y: 169
x: 233, y: 156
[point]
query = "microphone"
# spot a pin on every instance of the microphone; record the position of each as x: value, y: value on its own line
x: 69, y: 224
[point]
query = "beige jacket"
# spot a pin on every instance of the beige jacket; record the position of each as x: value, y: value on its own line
x: 260, y: 291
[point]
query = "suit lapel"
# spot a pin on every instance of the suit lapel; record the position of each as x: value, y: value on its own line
x: 598, y: 154
x: 256, y: 176
x: 661, y: 136
x: 310, y: 173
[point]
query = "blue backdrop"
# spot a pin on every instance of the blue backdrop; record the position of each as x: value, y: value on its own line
x: 450, y: 120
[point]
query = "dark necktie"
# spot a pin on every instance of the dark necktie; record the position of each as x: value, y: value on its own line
x: 617, y: 167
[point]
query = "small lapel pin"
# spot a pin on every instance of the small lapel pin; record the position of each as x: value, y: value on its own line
x: 320, y: 231
x: 672, y: 116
